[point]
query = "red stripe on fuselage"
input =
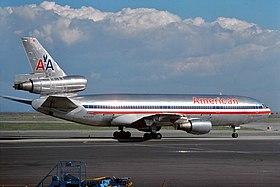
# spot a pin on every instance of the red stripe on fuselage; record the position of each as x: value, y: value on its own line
x: 182, y: 112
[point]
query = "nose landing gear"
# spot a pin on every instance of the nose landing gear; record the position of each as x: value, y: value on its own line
x: 235, y: 134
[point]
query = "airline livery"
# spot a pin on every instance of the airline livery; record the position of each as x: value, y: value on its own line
x: 193, y: 113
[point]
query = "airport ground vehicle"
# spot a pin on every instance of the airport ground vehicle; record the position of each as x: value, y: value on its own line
x: 74, y: 174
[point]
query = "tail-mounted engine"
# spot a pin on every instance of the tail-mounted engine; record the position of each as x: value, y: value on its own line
x: 53, y: 85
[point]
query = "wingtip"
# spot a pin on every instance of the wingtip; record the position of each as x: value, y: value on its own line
x: 17, y: 99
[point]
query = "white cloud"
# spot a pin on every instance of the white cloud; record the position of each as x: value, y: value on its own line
x: 143, y: 18
x: 234, y: 24
x: 70, y: 13
x: 68, y: 34
x: 130, y: 20
x: 198, y: 21
x: 28, y: 12
x: 62, y: 28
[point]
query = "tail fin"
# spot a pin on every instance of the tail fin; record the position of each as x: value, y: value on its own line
x: 47, y: 77
x: 40, y: 60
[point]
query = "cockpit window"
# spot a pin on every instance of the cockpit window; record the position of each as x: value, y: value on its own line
x: 264, y: 106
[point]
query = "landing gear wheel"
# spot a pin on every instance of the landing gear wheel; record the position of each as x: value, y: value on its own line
x: 122, y: 135
x: 148, y: 136
x: 159, y: 136
x: 127, y: 134
x: 234, y: 135
x: 116, y: 135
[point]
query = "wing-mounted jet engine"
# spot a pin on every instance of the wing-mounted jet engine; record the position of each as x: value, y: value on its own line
x: 195, y: 127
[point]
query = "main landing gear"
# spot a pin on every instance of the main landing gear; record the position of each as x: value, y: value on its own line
x: 235, y: 134
x: 152, y: 135
x: 151, y: 132
x: 121, y: 134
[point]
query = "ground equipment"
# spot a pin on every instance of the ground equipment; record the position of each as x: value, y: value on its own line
x: 73, y: 174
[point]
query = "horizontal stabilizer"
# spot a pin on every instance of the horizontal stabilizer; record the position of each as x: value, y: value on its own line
x: 59, y: 103
x: 21, y: 100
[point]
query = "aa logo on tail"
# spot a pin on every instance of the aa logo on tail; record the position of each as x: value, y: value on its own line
x: 42, y: 62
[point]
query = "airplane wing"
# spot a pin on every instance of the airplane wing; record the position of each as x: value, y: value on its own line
x: 17, y: 99
x: 147, y: 119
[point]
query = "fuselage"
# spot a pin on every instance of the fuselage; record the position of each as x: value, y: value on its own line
x: 224, y: 110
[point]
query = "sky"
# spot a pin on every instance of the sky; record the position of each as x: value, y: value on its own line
x: 160, y: 46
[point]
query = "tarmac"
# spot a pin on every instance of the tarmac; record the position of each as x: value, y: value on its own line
x: 179, y: 159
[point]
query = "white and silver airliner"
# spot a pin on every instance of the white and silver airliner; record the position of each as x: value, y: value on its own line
x: 193, y: 113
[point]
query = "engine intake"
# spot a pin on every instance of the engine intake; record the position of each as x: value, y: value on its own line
x: 195, y: 127
x: 45, y: 86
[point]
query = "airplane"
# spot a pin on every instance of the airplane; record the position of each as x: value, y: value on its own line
x: 192, y: 113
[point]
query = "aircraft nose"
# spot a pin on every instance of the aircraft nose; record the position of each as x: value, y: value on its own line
x: 268, y: 110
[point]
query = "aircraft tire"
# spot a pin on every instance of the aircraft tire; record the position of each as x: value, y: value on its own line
x: 116, y: 135
x: 158, y: 136
x: 127, y: 134
x: 234, y: 135
x: 122, y: 135
x: 147, y: 136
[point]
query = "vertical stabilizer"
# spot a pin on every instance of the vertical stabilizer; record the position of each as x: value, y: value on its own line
x: 40, y: 60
